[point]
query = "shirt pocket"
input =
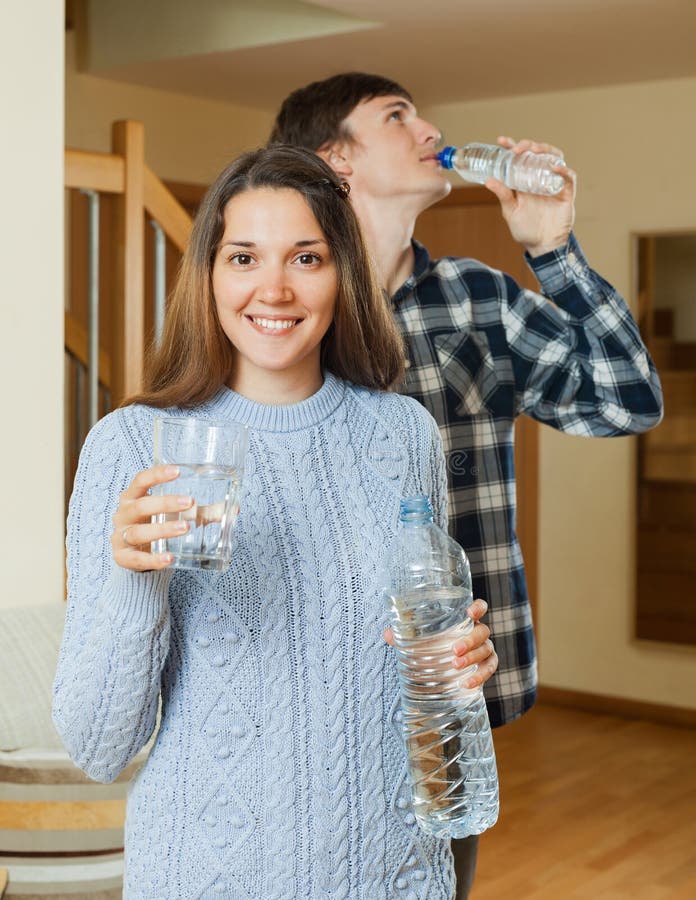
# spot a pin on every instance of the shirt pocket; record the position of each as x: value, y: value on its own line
x: 468, y: 370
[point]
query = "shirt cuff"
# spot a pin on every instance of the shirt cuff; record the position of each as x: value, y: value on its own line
x: 560, y: 267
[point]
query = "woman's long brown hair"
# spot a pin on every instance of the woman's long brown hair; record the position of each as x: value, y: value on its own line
x: 195, y: 358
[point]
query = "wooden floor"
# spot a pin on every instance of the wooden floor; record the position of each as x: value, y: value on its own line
x: 592, y: 808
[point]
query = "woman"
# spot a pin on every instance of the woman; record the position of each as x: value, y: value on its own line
x: 278, y: 768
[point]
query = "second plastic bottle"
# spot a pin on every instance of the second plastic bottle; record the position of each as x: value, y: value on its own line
x: 451, y: 760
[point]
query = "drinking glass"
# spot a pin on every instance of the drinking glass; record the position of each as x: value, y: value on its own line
x: 210, y: 456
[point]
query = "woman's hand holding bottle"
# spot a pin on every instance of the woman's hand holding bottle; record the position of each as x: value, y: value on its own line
x: 475, y: 649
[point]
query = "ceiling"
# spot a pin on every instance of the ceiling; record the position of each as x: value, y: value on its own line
x: 254, y: 52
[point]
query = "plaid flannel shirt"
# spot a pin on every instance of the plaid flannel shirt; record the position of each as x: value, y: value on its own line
x: 482, y: 350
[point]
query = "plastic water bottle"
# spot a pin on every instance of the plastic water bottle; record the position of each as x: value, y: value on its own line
x: 528, y: 172
x: 451, y: 761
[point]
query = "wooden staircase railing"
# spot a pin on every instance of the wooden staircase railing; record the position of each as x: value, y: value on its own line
x: 139, y: 190
x: 129, y: 193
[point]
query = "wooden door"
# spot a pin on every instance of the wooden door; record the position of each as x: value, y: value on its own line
x: 468, y: 223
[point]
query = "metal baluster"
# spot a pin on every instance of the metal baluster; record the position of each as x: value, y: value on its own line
x: 93, y: 310
x: 160, y: 278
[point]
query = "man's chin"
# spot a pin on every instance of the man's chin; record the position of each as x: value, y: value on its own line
x: 438, y: 192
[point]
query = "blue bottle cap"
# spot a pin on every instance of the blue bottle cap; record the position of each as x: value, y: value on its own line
x: 416, y: 509
x: 446, y: 156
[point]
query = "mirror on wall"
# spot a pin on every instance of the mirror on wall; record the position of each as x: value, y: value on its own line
x: 666, y: 499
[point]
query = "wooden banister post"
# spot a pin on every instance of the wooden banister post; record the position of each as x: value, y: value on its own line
x: 128, y: 141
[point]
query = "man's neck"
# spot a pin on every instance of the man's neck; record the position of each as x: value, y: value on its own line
x: 388, y: 229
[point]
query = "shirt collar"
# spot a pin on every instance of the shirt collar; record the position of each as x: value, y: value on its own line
x: 421, y: 267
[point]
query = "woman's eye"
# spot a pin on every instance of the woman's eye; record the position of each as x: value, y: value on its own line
x: 308, y: 259
x: 241, y: 259
x: 396, y: 115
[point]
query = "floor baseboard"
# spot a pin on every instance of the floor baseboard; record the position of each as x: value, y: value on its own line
x: 618, y: 706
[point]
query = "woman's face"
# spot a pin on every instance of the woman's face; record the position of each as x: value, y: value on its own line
x: 275, y: 286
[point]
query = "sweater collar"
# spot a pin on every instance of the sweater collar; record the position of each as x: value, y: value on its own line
x: 228, y: 404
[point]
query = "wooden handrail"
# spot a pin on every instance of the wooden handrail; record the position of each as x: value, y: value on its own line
x: 76, y: 344
x: 94, y: 171
x: 166, y: 210
x: 123, y: 173
x: 128, y: 141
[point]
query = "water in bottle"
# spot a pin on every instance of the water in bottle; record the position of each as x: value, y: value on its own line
x: 528, y: 172
x: 451, y: 761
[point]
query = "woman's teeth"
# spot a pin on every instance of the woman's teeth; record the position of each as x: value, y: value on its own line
x: 278, y: 324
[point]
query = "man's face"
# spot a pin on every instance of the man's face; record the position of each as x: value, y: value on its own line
x: 393, y: 152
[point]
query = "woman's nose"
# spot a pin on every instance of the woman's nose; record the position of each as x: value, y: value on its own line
x: 275, y: 288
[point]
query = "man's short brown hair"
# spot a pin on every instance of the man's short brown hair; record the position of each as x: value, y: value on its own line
x: 314, y: 116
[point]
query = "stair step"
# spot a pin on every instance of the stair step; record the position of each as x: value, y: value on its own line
x: 679, y: 389
x: 660, y: 464
x: 666, y: 504
x: 670, y: 354
x: 663, y: 322
x: 676, y: 431
x: 666, y: 550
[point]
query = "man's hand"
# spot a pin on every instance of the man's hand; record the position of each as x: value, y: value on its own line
x: 540, y: 223
x: 475, y: 649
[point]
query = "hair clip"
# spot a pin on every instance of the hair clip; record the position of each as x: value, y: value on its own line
x: 342, y: 189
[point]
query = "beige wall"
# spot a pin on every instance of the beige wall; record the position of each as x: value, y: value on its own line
x: 31, y: 362
x: 629, y: 146
x: 186, y: 138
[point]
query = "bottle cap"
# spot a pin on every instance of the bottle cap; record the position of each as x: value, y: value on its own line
x: 416, y: 509
x: 445, y: 157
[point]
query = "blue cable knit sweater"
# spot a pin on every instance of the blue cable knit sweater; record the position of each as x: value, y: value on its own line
x: 278, y: 770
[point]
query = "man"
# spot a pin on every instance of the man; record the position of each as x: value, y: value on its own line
x: 481, y: 349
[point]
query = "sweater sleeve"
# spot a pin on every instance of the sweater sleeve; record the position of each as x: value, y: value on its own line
x: 116, y: 633
x: 579, y: 363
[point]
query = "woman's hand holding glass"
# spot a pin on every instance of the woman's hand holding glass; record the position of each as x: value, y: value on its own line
x: 134, y: 529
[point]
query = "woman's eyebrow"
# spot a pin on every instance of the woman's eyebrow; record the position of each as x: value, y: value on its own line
x: 308, y: 242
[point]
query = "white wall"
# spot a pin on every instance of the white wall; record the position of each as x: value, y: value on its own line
x: 31, y: 362
x: 622, y: 141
